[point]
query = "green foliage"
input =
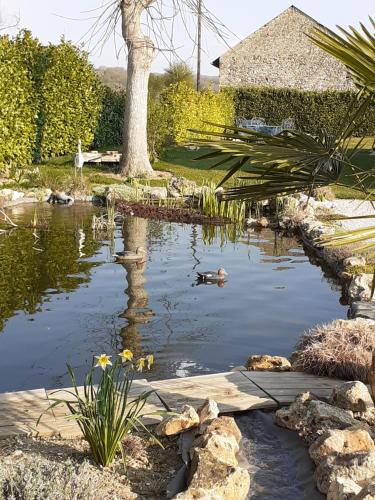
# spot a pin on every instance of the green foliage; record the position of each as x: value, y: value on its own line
x: 71, y: 101
x: 106, y: 412
x: 17, y: 110
x: 188, y: 109
x: 179, y: 73
x: 311, y: 111
x: 111, y: 120
x: 158, y: 135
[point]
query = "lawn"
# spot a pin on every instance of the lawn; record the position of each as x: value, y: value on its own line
x: 58, y: 172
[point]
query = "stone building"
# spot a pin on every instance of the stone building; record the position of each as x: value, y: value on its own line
x: 281, y: 55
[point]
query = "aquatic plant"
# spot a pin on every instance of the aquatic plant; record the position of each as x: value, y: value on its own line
x: 107, y: 412
x: 212, y: 205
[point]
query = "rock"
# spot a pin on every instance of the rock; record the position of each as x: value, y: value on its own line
x: 260, y: 223
x: 354, y: 261
x: 311, y: 417
x: 224, y: 426
x: 340, y: 442
x: 223, y: 448
x: 362, y: 309
x: 175, y: 424
x: 220, y: 480
x: 358, y: 467
x: 155, y: 193
x: 352, y: 396
x: 343, y: 489
x: 268, y: 363
x: 208, y: 411
x: 360, y: 287
x: 11, y: 194
x: 179, y: 186
x: 367, y: 492
x: 367, y: 416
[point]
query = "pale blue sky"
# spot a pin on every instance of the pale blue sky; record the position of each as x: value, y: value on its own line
x: 242, y: 17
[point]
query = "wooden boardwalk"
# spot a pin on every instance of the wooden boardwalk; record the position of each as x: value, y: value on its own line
x: 233, y: 391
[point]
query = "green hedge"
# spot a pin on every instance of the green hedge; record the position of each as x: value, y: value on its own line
x: 71, y: 101
x: 49, y: 98
x: 111, y: 120
x: 17, y: 109
x: 311, y: 111
x: 188, y: 109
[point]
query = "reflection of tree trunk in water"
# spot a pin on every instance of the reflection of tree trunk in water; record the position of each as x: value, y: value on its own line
x: 136, y: 312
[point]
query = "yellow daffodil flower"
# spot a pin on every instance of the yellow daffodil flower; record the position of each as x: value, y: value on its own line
x: 103, y: 361
x: 141, y: 364
x: 150, y: 360
x: 126, y: 355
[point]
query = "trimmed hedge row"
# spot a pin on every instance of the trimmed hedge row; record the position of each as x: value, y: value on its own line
x: 311, y: 111
x: 50, y: 97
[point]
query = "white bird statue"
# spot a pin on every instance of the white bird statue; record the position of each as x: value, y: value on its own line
x: 79, y: 159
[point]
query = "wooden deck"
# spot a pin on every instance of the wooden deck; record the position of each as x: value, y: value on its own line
x: 233, y: 392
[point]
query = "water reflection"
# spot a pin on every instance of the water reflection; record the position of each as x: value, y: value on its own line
x: 36, y: 263
x: 137, y: 312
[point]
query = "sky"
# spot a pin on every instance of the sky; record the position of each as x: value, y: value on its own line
x: 50, y: 19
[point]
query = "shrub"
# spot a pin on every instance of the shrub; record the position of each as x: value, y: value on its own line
x: 188, y: 109
x: 111, y: 120
x: 310, y: 110
x: 105, y: 413
x: 17, y: 110
x: 341, y: 349
x: 71, y: 101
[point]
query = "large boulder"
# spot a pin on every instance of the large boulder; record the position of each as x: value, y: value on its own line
x: 215, y: 478
x: 355, y: 260
x: 224, y: 448
x: 311, y: 417
x: 265, y: 362
x: 225, y: 426
x: 175, y: 424
x: 352, y: 396
x: 360, y: 287
x: 179, y: 186
x: 336, y: 441
x: 10, y: 194
x: 343, y: 489
x: 359, y: 467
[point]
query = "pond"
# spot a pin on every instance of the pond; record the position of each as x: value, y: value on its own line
x: 63, y: 298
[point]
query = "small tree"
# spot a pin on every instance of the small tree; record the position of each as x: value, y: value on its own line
x: 179, y: 73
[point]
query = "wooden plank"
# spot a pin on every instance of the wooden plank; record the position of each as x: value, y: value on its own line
x: 232, y: 391
x: 285, y: 386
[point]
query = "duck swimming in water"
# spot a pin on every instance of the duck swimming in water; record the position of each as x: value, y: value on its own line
x: 129, y: 256
x: 218, y: 275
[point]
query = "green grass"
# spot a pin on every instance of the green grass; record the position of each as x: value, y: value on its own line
x: 177, y: 160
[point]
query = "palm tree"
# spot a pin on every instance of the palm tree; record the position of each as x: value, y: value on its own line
x: 296, y: 161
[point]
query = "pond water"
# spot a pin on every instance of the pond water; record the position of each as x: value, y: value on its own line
x: 62, y: 298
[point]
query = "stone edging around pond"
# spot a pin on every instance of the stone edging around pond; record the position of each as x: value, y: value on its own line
x: 340, y: 437
x: 209, y: 447
x: 309, y: 227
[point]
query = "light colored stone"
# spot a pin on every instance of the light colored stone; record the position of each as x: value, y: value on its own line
x: 360, y: 287
x: 208, y: 411
x: 175, y: 424
x: 268, y: 363
x: 352, y: 396
x: 367, y: 416
x: 224, y: 426
x: 358, y: 467
x: 343, y: 489
x: 311, y: 417
x: 11, y: 194
x: 337, y: 441
x: 155, y: 193
x: 179, y: 186
x: 367, y: 492
x: 355, y: 260
x: 222, y: 480
x: 223, y: 448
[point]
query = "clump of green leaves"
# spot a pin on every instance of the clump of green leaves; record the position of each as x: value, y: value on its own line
x: 107, y: 412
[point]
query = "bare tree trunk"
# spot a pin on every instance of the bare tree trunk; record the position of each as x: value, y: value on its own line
x: 141, y: 52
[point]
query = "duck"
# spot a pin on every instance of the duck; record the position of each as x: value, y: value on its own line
x: 130, y: 256
x: 218, y: 275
